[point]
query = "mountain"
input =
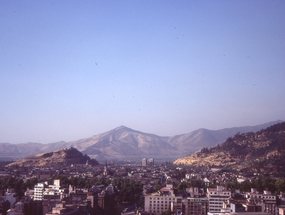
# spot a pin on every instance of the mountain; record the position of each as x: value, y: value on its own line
x: 263, y: 151
x: 63, y: 157
x: 125, y: 143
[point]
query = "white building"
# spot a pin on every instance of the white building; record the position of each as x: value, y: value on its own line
x: 43, y: 189
x: 53, y: 189
x: 144, y: 162
x: 162, y: 201
x: 165, y: 200
x: 56, y: 183
x: 281, y: 210
x: 39, y: 191
x: 217, y: 196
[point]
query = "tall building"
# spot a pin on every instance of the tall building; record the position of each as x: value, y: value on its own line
x: 144, y: 162
x: 56, y: 183
x: 196, y: 203
x: 165, y: 200
x: 196, y: 206
x: 150, y: 162
x: 217, y: 196
x: 39, y: 191
x: 161, y: 201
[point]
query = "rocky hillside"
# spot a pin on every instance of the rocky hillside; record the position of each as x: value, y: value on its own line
x: 264, y: 150
x: 63, y: 157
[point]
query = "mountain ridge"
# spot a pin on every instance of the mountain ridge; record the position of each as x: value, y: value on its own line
x: 126, y: 143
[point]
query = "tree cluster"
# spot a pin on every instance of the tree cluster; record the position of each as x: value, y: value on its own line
x: 260, y: 184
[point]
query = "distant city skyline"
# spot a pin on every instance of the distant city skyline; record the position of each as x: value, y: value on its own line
x: 70, y: 69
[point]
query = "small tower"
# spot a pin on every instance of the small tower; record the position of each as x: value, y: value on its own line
x: 105, y: 171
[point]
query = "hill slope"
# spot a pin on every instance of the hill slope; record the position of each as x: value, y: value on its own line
x: 264, y: 150
x: 62, y: 157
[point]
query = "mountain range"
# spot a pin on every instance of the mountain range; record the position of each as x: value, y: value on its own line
x: 262, y: 151
x: 123, y: 143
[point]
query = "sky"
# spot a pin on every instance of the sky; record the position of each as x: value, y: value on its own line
x: 72, y: 69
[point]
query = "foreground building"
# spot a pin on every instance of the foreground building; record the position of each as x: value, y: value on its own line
x: 165, y: 200
x: 196, y: 206
x: 265, y: 200
x: 161, y: 201
x: 217, y: 196
x: 39, y: 191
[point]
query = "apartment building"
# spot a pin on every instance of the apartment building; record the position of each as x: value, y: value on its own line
x: 161, y: 201
x: 39, y: 189
x: 196, y: 206
x: 217, y: 196
x: 266, y: 200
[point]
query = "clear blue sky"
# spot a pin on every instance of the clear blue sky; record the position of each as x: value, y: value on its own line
x: 72, y: 69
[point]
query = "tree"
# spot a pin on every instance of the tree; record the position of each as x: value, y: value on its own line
x: 280, y: 185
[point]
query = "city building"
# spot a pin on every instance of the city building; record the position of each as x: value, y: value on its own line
x: 217, y: 196
x: 266, y: 200
x: 196, y: 206
x: 161, y: 201
x: 144, y: 162
x: 281, y: 210
x: 150, y: 162
x: 39, y: 191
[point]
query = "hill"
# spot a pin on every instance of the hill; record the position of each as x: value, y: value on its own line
x: 63, y: 157
x: 263, y: 151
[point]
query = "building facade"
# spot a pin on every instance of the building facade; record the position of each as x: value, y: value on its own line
x: 39, y: 189
x: 196, y: 206
x: 217, y: 196
x: 161, y: 201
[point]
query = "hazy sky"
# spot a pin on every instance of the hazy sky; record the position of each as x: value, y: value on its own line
x: 72, y: 69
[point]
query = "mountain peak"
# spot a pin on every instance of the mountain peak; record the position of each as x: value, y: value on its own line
x: 123, y: 128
